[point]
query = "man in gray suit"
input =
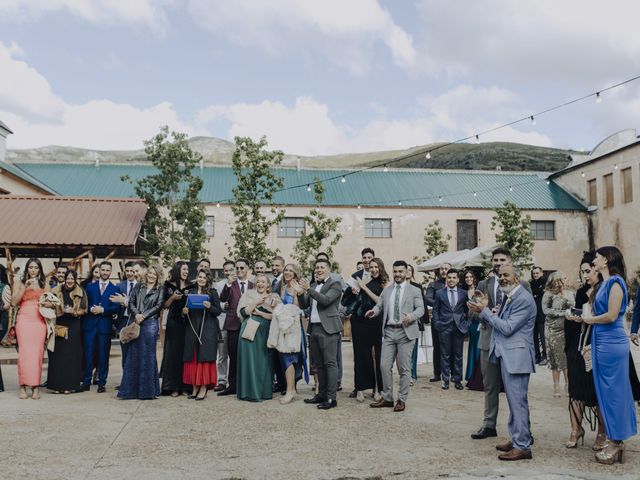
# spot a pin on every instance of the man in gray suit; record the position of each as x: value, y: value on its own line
x: 325, y: 325
x: 402, y: 305
x: 511, y: 349
x: 490, y: 371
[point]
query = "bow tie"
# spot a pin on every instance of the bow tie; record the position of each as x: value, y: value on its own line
x: 321, y: 282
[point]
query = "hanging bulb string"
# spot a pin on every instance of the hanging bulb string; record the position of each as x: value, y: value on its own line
x: 433, y: 148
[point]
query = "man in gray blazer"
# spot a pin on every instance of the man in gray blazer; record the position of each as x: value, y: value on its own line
x: 511, y: 349
x: 490, y: 371
x: 325, y: 325
x: 402, y: 305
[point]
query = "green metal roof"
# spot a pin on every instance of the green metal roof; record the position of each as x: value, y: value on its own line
x: 414, y: 188
x: 18, y: 172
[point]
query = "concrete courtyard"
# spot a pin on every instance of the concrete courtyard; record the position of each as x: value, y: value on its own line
x: 95, y: 436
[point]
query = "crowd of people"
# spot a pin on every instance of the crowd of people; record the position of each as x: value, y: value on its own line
x: 255, y: 334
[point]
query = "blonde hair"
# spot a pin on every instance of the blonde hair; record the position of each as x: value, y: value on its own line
x: 159, y: 273
x: 555, y: 282
x: 262, y: 275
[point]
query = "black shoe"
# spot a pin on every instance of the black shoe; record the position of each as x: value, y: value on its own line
x: 95, y: 381
x: 445, y: 385
x: 327, y: 405
x: 101, y: 389
x: 459, y: 386
x: 484, y: 432
x: 227, y: 391
x: 315, y: 399
x: 117, y: 387
x: 339, y: 388
x: 277, y: 388
x: 353, y: 394
x: 84, y: 387
x: 43, y: 384
x: 434, y: 379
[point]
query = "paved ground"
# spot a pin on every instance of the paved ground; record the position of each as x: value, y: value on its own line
x: 92, y: 436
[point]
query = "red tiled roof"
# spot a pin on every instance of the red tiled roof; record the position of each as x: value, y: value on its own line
x: 70, y: 221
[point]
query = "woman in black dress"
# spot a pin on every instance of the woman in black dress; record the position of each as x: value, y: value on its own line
x: 65, y: 361
x: 176, y: 288
x: 368, y: 332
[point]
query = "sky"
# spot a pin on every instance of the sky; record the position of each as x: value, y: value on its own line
x: 316, y: 77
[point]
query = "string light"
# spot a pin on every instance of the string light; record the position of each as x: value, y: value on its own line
x: 477, y: 138
x: 428, y: 156
x: 548, y: 182
x: 582, y: 174
x: 533, y: 120
x: 440, y: 198
x: 598, y: 97
x: 615, y: 166
x: 218, y: 204
x: 400, y: 203
x: 510, y: 188
x: 308, y: 188
x: 475, y: 194
x: 359, y: 207
x: 385, y: 169
x: 343, y: 179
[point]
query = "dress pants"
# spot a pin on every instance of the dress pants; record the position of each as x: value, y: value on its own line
x: 539, y: 342
x: 435, y: 340
x: 397, y: 347
x: 276, y: 366
x: 451, y: 348
x: 100, y: 343
x: 232, y: 345
x: 324, y: 355
x: 223, y: 359
x: 491, y: 378
x: 516, y: 386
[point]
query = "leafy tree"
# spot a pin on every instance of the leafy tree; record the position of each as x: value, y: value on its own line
x: 320, y: 230
x: 256, y: 185
x: 514, y: 232
x: 174, y: 226
x: 435, y: 241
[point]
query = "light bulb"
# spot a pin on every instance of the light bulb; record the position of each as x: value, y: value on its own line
x: 343, y: 180
x: 582, y: 174
x: 598, y: 97
x: 428, y: 156
x: 308, y: 188
x: 475, y: 194
x: 439, y: 199
x: 399, y: 203
x: 511, y: 189
x: 385, y: 169
x: 218, y: 204
x: 477, y: 138
x: 359, y: 207
x: 533, y: 120
x: 548, y: 182
x: 615, y: 166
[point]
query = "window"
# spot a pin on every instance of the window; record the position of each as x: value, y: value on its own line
x: 543, y: 230
x: 627, y: 186
x: 608, y: 190
x: 467, y: 234
x: 209, y: 224
x: 592, y: 192
x: 377, y: 227
x: 292, y: 227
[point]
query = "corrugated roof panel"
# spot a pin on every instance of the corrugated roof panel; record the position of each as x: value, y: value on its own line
x: 418, y: 188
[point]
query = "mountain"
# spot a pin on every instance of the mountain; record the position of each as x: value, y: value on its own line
x: 215, y: 151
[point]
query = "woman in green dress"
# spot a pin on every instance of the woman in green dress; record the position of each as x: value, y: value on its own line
x: 255, y: 374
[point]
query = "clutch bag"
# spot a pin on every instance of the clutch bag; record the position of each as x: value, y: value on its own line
x: 129, y: 333
x: 196, y: 301
x: 250, y: 329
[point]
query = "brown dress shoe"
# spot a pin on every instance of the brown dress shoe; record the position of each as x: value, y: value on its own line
x: 400, y: 405
x: 382, y: 403
x: 505, y: 447
x: 516, y: 454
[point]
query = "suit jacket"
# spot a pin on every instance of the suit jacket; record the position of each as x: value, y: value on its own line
x: 432, y: 288
x: 122, y: 313
x: 444, y: 315
x: 328, y: 300
x: 487, y: 286
x: 231, y: 295
x: 512, y: 333
x: 412, y: 304
x: 103, y: 320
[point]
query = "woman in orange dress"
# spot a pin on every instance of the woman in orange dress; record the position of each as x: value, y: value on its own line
x: 31, y: 329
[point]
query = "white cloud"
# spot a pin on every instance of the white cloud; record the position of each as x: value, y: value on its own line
x: 345, y: 33
x: 149, y: 12
x: 40, y: 117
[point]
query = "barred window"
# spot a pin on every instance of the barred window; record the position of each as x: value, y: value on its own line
x: 377, y: 227
x: 292, y: 227
x: 543, y: 230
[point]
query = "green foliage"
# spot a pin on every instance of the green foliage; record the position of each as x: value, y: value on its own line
x: 174, y: 226
x: 256, y: 185
x: 514, y: 232
x: 319, y: 235
x: 435, y: 241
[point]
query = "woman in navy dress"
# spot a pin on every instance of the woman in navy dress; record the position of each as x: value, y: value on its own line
x: 473, y: 352
x: 140, y: 373
x: 610, y: 354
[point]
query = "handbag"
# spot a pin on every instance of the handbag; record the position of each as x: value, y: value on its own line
x: 250, y: 329
x: 61, y: 331
x: 196, y: 301
x: 585, y: 350
x: 130, y: 332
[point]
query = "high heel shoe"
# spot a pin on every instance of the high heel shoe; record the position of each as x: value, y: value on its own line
x: 23, y: 394
x: 193, y: 395
x: 574, y: 438
x: 612, y: 453
x: 287, y: 398
x: 35, y: 393
x: 556, y: 390
x: 600, y: 443
x: 360, y: 396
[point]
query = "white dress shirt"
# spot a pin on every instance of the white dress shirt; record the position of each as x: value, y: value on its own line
x: 315, y: 316
x: 391, y: 320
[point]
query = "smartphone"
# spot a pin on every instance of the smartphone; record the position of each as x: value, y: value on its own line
x: 576, y: 312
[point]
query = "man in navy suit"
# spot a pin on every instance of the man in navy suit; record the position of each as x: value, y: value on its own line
x: 97, y: 326
x: 237, y: 284
x: 451, y: 321
x: 125, y: 287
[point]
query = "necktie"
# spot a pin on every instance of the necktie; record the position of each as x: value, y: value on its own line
x: 128, y: 288
x: 452, y: 298
x: 103, y: 286
x: 241, y: 287
x: 396, y: 305
x: 503, y: 302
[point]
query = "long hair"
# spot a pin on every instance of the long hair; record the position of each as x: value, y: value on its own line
x: 384, y: 276
x: 615, y: 261
x: 174, y: 273
x: 473, y: 274
x: 296, y: 276
x: 209, y: 277
x: 554, y: 282
x: 3, y: 275
x: 25, y: 274
x: 159, y: 274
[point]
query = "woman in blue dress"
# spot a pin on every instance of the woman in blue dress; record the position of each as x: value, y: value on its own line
x: 473, y: 352
x: 610, y: 354
x: 140, y: 372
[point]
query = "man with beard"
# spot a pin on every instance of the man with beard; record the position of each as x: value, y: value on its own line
x: 511, y: 350
x: 430, y: 299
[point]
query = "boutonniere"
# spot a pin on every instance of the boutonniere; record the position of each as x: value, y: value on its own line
x: 508, y: 301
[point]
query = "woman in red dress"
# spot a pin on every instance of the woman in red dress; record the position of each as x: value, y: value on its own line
x: 31, y: 329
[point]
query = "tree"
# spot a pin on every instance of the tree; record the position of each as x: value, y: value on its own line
x: 174, y: 226
x: 256, y: 185
x: 514, y: 232
x: 435, y: 241
x: 320, y: 230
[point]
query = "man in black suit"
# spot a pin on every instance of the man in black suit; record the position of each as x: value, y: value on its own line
x: 430, y: 298
x: 277, y: 267
x: 451, y: 320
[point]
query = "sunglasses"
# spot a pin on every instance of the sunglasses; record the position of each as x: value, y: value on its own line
x: 240, y: 268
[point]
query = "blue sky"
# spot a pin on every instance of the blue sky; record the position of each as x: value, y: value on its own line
x: 315, y: 77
